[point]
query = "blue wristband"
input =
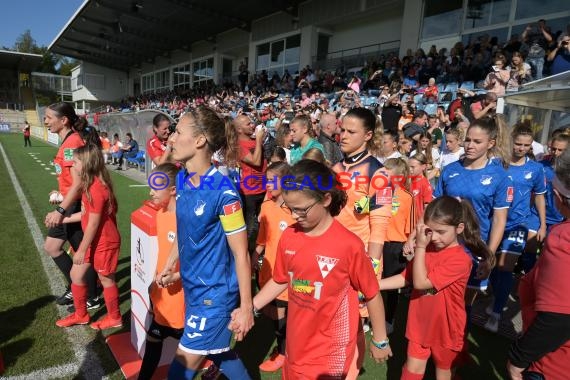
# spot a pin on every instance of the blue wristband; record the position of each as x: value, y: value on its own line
x: 382, y: 345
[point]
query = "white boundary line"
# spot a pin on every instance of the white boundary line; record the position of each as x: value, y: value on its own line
x: 86, y: 360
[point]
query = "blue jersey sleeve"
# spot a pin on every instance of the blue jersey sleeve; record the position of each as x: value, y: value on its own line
x: 539, y: 185
x: 504, y: 193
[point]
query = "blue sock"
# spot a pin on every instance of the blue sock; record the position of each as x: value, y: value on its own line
x: 178, y: 371
x: 503, y: 290
x: 494, y: 279
x: 230, y: 365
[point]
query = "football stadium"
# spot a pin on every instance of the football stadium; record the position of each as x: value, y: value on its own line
x: 164, y: 215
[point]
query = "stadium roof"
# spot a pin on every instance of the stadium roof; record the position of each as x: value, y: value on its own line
x: 548, y: 93
x: 123, y: 34
x: 23, y: 62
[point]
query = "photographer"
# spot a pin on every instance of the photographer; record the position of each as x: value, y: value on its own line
x: 156, y: 147
x: 496, y: 81
x: 560, y: 55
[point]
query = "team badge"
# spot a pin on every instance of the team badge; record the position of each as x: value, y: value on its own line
x: 510, y: 193
x: 326, y: 264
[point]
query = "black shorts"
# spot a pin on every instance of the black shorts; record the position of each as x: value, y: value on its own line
x: 70, y: 232
x: 161, y: 332
x: 393, y: 258
x: 279, y: 303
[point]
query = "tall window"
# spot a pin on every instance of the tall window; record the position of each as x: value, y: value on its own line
x: 162, y: 80
x: 280, y: 55
x: 181, y: 77
x: 148, y: 83
x: 486, y: 12
x: 531, y: 8
x: 442, y: 18
x: 203, y: 72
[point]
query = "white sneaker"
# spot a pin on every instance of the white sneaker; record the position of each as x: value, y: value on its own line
x: 492, y: 323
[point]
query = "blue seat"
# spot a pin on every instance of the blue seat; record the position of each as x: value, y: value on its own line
x: 137, y: 160
x: 451, y: 87
x: 468, y: 85
x: 431, y: 109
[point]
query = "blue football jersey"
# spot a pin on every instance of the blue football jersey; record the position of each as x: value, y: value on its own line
x: 205, y: 214
x: 527, y: 179
x: 487, y: 189
x: 553, y: 216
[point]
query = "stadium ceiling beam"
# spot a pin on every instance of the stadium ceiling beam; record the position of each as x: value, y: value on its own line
x: 290, y: 7
x: 85, y: 56
x: 105, y: 48
x: 91, y: 53
x: 136, y: 15
x: 216, y: 14
x: 168, y: 43
x: 156, y: 48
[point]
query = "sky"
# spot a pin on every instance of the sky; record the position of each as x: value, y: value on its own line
x: 44, y: 18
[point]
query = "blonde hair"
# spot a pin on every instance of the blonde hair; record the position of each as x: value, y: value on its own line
x: 315, y: 154
x: 400, y: 167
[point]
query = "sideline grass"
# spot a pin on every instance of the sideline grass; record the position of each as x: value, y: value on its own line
x: 29, y: 339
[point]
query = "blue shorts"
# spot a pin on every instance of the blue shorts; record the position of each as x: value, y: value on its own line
x: 514, y: 240
x: 205, y: 335
x: 533, y: 222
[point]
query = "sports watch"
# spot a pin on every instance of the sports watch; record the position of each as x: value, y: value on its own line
x: 383, y: 344
x: 60, y: 209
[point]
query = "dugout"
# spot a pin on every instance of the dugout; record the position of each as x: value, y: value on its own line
x: 545, y: 102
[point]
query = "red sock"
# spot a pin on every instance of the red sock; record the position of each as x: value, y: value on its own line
x: 407, y: 375
x: 79, y: 299
x: 111, y: 295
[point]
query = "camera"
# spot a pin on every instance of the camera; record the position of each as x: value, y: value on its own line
x: 171, y: 128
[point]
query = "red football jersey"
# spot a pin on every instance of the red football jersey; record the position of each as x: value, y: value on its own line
x: 107, y: 236
x: 63, y: 161
x: 437, y: 316
x: 324, y: 274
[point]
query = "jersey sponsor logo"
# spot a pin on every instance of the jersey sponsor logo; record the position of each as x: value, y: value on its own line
x: 171, y: 236
x: 326, y: 264
x: 290, y: 252
x: 282, y: 225
x: 510, y: 193
x: 199, y: 208
x: 68, y: 154
x: 486, y: 180
x: 305, y: 287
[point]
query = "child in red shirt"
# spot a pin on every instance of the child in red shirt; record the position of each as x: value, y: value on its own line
x: 273, y: 220
x: 101, y: 242
x: 323, y: 266
x: 421, y: 188
x: 439, y: 273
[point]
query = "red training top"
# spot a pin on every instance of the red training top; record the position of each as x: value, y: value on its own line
x: 324, y: 274
x: 63, y: 161
x: 437, y: 316
x: 251, y: 181
x: 155, y: 147
x: 547, y: 289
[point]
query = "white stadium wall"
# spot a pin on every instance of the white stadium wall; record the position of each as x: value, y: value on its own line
x: 91, y: 82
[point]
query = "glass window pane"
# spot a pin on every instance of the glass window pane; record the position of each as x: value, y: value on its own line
x: 442, y: 18
x: 277, y: 49
x: 262, y: 56
x: 487, y: 12
x: 500, y: 34
x: 292, y: 46
x: 533, y: 8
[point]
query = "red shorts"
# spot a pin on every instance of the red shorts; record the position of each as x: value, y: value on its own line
x: 104, y: 261
x: 443, y: 358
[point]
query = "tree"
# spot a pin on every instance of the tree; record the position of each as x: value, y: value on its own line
x: 65, y: 65
x: 25, y: 43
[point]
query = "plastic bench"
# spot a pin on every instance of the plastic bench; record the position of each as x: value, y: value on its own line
x: 137, y: 160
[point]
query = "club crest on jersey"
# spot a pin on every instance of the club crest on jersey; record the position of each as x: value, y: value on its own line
x: 510, y: 193
x: 199, y: 208
x: 486, y: 180
x: 527, y: 175
x: 326, y: 264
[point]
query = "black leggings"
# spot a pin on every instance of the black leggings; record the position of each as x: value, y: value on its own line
x: 394, y: 263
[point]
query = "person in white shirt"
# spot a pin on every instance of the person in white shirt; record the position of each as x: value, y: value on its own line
x: 389, y: 147
x: 453, y: 150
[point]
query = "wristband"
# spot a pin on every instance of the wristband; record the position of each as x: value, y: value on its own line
x: 60, y: 209
x: 382, y: 345
x: 256, y: 312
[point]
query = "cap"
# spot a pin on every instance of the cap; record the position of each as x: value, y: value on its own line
x: 411, y: 129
